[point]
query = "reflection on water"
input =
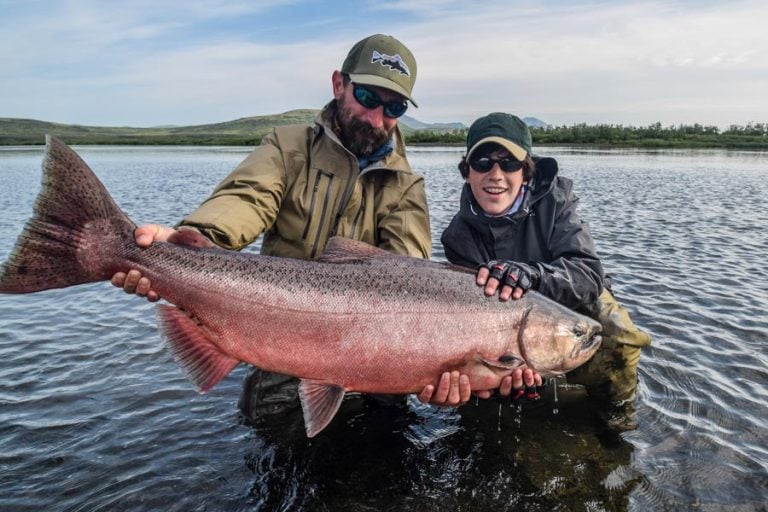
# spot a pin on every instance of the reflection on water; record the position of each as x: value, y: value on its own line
x: 95, y: 415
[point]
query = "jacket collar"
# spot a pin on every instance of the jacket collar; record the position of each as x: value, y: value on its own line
x: 396, y: 160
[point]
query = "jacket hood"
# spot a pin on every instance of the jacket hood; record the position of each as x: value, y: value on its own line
x: 544, y: 179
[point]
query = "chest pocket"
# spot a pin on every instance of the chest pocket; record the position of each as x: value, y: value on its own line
x: 320, y: 200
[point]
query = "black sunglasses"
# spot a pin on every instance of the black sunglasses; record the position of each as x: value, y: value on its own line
x: 371, y: 100
x: 485, y: 164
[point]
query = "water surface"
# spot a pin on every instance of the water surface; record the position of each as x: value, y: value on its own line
x: 95, y: 414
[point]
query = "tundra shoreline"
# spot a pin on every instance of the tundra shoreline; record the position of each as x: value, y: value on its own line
x: 642, y: 144
x: 249, y: 131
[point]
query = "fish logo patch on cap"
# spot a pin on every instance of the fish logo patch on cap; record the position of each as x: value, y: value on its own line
x: 393, y: 62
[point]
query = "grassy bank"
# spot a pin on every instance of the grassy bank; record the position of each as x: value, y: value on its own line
x: 250, y: 130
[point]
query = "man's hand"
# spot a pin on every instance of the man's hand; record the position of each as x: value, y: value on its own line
x: 515, y: 278
x: 452, y: 390
x: 133, y: 282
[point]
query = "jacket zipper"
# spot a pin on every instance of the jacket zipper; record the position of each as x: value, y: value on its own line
x: 326, y: 201
x: 311, y: 206
x: 358, y: 216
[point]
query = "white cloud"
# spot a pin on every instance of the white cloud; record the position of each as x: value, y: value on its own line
x: 596, y: 63
x: 618, y: 62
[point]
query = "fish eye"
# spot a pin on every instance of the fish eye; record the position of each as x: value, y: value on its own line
x: 578, y: 330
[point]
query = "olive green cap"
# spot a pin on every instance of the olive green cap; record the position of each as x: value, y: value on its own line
x: 506, y: 130
x: 382, y: 61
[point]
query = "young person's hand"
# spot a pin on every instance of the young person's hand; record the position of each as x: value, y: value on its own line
x: 511, y: 277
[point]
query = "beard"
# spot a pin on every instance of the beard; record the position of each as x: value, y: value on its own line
x: 360, y: 138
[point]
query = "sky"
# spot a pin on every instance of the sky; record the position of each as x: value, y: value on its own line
x: 169, y: 62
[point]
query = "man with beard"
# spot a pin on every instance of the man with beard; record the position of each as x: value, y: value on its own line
x: 345, y: 176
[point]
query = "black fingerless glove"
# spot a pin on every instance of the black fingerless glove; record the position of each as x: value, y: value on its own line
x: 514, y: 274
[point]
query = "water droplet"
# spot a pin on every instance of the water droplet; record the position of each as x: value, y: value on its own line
x: 555, y: 410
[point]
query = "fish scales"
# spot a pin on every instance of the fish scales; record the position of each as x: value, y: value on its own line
x: 357, y: 319
x: 328, y: 316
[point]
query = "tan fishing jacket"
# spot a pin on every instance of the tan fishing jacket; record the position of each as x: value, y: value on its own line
x: 301, y: 186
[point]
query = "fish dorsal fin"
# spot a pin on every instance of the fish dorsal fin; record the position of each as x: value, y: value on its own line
x: 203, y: 362
x: 191, y: 238
x: 319, y: 401
x: 345, y: 250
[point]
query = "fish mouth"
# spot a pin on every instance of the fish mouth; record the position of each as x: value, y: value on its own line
x: 590, y: 337
x: 585, y: 348
x: 591, y: 342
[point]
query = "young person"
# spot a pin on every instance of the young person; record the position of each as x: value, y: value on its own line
x: 517, y: 222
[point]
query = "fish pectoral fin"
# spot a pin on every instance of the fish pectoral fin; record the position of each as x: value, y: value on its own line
x: 200, y: 358
x: 505, y: 362
x: 319, y: 401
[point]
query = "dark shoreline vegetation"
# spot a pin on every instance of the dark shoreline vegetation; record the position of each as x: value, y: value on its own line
x: 752, y: 136
x: 250, y: 130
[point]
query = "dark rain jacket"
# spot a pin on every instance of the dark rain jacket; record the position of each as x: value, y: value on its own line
x: 546, y: 232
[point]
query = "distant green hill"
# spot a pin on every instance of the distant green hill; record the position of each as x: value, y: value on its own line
x: 245, y: 131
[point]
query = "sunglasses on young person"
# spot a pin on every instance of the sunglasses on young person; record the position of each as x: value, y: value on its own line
x: 485, y: 164
x: 371, y: 100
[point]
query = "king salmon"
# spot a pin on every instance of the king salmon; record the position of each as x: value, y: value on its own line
x: 358, y: 319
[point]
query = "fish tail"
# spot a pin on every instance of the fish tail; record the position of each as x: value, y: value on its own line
x: 75, y: 229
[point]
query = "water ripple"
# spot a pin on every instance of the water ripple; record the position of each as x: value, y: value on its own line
x: 96, y: 415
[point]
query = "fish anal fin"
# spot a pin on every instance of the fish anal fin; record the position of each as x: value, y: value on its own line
x: 319, y: 401
x: 200, y: 358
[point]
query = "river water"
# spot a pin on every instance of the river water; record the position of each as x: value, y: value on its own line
x: 96, y: 415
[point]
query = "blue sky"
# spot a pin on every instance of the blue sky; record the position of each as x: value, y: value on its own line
x: 146, y: 63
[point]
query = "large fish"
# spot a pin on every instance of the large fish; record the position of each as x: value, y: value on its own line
x: 357, y: 319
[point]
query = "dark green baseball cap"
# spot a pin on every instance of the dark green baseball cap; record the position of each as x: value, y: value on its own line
x: 382, y: 61
x: 506, y: 130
